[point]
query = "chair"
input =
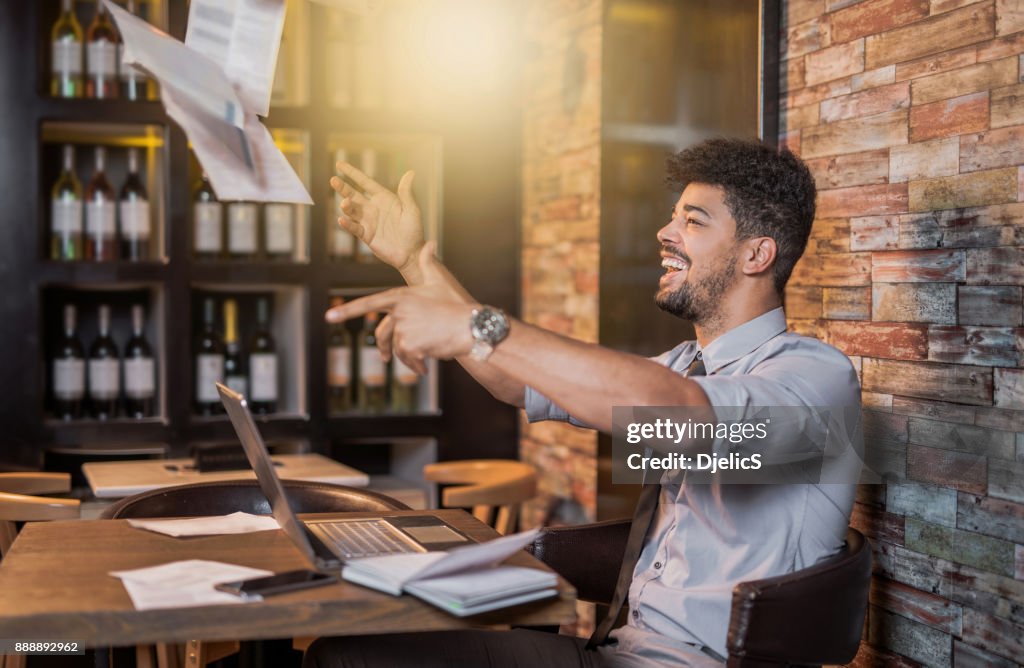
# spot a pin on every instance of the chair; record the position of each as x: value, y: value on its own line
x: 18, y: 503
x: 486, y: 486
x: 814, y: 616
x: 221, y: 498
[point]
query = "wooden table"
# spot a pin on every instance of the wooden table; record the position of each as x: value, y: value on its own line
x: 118, y: 479
x: 54, y: 584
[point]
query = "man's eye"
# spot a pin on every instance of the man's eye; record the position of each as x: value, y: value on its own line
x: 693, y: 221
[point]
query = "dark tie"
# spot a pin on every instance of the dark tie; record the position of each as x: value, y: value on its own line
x: 646, y: 508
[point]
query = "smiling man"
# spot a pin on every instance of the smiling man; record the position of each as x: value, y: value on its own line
x: 738, y: 228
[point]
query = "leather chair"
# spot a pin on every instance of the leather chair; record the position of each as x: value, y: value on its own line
x: 811, y: 617
x: 222, y: 498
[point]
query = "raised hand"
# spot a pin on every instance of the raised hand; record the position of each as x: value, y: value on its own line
x: 388, y: 223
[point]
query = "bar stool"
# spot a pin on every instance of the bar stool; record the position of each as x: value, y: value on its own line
x: 491, y: 487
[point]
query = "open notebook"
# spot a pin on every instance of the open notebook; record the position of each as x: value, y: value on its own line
x: 463, y: 581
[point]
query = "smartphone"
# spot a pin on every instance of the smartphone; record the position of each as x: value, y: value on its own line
x: 278, y: 583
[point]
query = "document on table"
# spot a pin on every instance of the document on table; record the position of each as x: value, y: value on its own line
x: 184, y: 584
x: 209, y: 526
x: 215, y: 85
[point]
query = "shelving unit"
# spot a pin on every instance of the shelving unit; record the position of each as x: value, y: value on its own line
x: 454, y: 146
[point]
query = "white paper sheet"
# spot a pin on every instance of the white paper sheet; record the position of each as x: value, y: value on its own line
x: 209, y: 526
x: 183, y: 584
x: 218, y: 110
x: 244, y: 35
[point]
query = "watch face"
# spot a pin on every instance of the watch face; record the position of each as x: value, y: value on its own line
x: 489, y: 325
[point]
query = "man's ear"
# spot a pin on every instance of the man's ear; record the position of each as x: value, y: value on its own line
x: 759, y: 255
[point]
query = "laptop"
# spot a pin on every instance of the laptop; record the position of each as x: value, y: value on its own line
x: 327, y: 544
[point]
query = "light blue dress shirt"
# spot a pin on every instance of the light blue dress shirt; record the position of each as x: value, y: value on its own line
x: 706, y: 538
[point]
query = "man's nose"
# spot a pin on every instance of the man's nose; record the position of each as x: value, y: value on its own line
x: 669, y: 234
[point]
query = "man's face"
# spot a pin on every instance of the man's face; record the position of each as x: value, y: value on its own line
x: 699, y: 253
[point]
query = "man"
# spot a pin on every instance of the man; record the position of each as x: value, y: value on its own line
x: 738, y: 228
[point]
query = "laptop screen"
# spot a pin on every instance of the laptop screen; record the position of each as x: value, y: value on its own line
x: 259, y: 459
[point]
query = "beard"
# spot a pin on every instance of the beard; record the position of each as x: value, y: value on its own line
x: 700, y: 301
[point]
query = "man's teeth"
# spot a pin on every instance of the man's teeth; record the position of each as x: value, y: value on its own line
x: 673, y: 264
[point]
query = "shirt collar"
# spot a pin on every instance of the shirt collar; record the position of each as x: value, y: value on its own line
x: 746, y: 338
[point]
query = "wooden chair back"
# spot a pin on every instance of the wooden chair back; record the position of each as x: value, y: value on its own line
x: 18, y: 502
x: 493, y: 488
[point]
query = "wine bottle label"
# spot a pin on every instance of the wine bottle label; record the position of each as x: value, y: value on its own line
x: 100, y: 220
x: 104, y: 379
x: 69, y: 379
x: 209, y: 370
x: 280, y: 230
x: 339, y: 366
x: 208, y: 237
x: 66, y: 216
x: 371, y: 368
x: 403, y: 374
x: 101, y: 59
x: 263, y: 372
x: 135, y: 221
x: 139, y: 378
x: 67, y: 57
x: 129, y: 73
x: 242, y: 228
x: 238, y: 384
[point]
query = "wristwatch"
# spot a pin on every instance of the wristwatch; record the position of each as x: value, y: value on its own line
x: 489, y: 327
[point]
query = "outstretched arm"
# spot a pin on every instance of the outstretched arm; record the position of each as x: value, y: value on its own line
x: 585, y: 379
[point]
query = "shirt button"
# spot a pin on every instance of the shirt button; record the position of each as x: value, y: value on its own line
x: 657, y: 564
x: 636, y: 614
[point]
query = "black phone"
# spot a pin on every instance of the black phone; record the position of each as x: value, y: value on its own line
x: 278, y: 583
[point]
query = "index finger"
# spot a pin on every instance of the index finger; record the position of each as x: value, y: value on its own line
x: 382, y: 301
x: 361, y: 179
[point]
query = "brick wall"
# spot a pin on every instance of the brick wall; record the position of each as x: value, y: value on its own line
x: 910, y: 113
x: 560, y: 227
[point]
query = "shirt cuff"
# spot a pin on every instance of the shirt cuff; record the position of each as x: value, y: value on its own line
x: 538, y: 407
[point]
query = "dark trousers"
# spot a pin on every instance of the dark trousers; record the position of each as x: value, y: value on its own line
x: 446, y: 649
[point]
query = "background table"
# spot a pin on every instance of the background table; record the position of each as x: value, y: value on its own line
x: 54, y: 584
x: 118, y: 479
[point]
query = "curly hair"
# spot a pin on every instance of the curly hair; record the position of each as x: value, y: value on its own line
x: 770, y: 193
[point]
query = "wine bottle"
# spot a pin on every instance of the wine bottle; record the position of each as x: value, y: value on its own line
x: 66, y: 212
x: 263, y: 363
x: 372, y: 373
x: 279, y: 230
x: 66, y: 53
x: 101, y: 56
x: 134, y: 85
x: 136, y: 224
x: 209, y: 363
x: 339, y: 365
x: 368, y: 165
x: 243, y: 242
x: 139, y: 370
x: 68, y: 370
x: 100, y: 218
x: 405, y: 385
x: 104, y: 370
x: 343, y: 244
x: 341, y: 55
x: 234, y: 363
x: 207, y: 222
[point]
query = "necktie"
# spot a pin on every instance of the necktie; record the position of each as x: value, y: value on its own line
x: 646, y: 508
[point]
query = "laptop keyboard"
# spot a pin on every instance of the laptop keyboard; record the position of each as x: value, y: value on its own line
x: 363, y: 539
